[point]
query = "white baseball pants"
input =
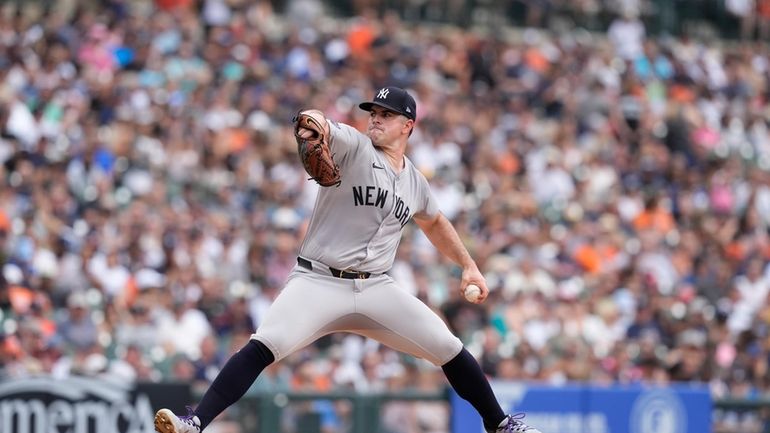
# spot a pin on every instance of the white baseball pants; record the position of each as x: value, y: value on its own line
x: 315, y: 303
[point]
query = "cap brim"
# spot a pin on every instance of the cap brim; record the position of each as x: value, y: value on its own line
x: 367, y: 106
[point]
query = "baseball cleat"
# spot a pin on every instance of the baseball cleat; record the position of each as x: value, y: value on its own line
x: 514, y: 424
x: 167, y: 422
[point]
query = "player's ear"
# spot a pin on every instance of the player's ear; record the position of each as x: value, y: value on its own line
x: 409, y: 124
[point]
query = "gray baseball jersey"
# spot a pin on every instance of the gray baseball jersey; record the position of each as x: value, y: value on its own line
x: 358, y: 224
x: 357, y: 227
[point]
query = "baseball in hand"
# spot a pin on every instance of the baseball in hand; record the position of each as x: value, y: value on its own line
x: 472, y: 292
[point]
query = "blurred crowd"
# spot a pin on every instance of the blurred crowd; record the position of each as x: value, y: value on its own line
x: 614, y: 189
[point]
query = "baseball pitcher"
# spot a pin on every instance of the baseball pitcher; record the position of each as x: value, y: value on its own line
x: 371, y: 190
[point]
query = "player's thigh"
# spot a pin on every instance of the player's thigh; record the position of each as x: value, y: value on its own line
x: 303, y: 310
x: 406, y: 323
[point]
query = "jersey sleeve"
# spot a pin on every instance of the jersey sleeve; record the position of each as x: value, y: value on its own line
x: 429, y: 206
x: 345, y: 141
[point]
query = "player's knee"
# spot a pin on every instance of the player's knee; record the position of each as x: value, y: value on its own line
x: 448, y: 351
x: 259, y: 352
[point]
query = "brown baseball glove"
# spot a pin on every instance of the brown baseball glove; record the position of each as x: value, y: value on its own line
x: 311, y: 130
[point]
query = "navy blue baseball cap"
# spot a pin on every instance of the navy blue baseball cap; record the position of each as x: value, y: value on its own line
x: 394, y: 99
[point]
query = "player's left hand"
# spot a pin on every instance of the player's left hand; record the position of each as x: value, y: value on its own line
x: 473, y: 276
x: 311, y: 130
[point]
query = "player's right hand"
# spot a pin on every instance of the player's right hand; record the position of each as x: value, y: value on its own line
x: 474, y: 276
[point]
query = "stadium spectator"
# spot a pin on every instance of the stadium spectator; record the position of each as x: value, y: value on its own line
x: 614, y: 188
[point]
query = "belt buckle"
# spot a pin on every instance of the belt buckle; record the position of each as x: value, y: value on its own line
x: 358, y: 274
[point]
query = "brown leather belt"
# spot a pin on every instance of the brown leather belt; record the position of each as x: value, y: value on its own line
x: 348, y: 275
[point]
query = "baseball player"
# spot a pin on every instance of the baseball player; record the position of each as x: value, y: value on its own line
x: 340, y: 281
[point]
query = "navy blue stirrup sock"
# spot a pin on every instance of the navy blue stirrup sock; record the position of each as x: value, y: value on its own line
x: 236, y: 377
x: 466, y: 377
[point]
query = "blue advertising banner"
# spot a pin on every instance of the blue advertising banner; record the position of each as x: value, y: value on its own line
x: 596, y: 409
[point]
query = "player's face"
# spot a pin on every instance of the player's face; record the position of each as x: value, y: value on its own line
x: 386, y: 126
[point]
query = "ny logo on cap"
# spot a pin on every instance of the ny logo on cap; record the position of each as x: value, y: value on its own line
x: 383, y: 93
